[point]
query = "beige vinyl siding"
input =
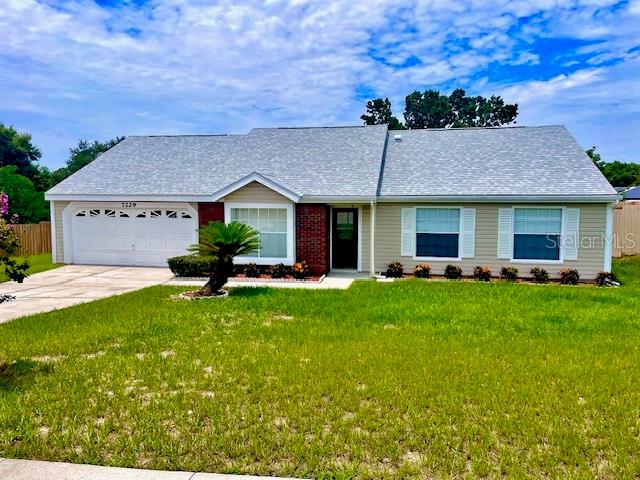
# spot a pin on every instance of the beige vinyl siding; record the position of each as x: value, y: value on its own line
x: 57, y: 208
x: 255, y: 192
x: 590, y: 254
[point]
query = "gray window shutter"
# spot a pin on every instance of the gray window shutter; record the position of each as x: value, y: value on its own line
x: 505, y: 232
x: 570, y: 236
x: 408, y: 233
x: 468, y: 232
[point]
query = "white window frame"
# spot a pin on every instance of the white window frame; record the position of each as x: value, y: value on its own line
x: 289, y: 259
x: 529, y: 261
x: 415, y: 233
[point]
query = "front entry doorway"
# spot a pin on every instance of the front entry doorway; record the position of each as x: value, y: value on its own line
x: 344, y: 238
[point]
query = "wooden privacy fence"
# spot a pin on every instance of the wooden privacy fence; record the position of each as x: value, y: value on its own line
x: 35, y: 238
x: 626, y: 229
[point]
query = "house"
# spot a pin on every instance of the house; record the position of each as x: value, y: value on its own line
x: 629, y: 194
x: 345, y: 198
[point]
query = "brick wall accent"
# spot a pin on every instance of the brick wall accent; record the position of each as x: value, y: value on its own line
x: 312, y: 236
x: 210, y: 212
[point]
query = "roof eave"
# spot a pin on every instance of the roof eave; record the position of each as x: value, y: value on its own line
x: 604, y: 198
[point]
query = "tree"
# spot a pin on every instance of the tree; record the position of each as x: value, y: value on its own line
x: 26, y: 202
x: 379, y: 113
x: 17, y: 149
x: 619, y: 174
x: 82, y: 155
x: 224, y: 242
x: 432, y: 109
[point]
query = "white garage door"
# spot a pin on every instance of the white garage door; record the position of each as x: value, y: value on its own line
x: 109, y: 235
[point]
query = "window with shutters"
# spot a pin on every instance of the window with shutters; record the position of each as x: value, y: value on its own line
x: 537, y: 233
x: 438, y: 233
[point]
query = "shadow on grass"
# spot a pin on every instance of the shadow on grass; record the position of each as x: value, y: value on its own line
x: 250, y: 291
x: 20, y: 374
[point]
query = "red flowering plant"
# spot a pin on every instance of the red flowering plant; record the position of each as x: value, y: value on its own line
x: 9, y: 244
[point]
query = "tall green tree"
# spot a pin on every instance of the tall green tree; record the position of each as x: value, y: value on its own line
x: 379, y: 113
x: 82, y: 155
x: 619, y: 174
x: 432, y: 109
x: 18, y: 149
x: 26, y: 201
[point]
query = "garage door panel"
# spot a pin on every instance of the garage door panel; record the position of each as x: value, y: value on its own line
x: 137, y: 236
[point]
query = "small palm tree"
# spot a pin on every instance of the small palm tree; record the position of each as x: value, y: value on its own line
x: 224, y: 242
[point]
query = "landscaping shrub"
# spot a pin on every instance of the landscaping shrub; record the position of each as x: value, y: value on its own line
x: 540, y: 275
x: 395, y: 270
x: 509, y: 273
x: 191, y: 265
x: 606, y: 279
x: 300, y: 270
x: 453, y: 272
x: 279, y: 270
x: 569, y: 276
x: 251, y: 270
x: 482, y: 274
x: 422, y: 270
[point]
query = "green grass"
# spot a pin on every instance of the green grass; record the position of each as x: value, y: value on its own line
x: 37, y: 263
x: 409, y: 379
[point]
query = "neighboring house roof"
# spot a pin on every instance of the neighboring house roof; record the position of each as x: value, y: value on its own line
x: 621, y: 189
x: 632, y: 193
x: 495, y: 162
x: 320, y: 162
x: 347, y: 162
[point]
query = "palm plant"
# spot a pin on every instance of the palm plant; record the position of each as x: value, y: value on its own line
x: 224, y: 242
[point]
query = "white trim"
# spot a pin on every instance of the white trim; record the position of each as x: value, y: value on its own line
x: 498, y: 198
x: 291, y: 233
x: 54, y: 243
x: 128, y: 198
x: 532, y: 261
x: 256, y: 177
x: 67, y: 214
x: 608, y: 239
x: 415, y: 233
x: 337, y: 199
x: 372, y: 239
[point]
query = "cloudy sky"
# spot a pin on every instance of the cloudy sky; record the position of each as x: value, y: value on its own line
x: 72, y: 69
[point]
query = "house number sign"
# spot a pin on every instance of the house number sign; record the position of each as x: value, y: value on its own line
x: 128, y: 204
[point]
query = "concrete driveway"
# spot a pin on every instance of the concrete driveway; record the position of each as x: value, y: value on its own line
x: 73, y: 284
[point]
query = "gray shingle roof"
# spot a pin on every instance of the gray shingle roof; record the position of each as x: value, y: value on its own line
x: 346, y: 161
x: 333, y: 161
x: 524, y: 161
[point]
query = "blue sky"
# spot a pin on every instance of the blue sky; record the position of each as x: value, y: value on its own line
x: 72, y: 69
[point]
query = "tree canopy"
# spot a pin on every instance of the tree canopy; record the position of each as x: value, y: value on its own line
x: 25, y: 200
x: 432, y: 109
x: 17, y: 149
x: 619, y: 174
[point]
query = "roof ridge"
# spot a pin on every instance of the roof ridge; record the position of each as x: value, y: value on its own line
x: 457, y: 129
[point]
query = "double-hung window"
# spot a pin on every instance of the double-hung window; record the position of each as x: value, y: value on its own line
x: 438, y: 232
x: 537, y: 233
x: 274, y: 226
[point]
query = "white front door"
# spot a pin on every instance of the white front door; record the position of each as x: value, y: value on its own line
x: 109, y: 234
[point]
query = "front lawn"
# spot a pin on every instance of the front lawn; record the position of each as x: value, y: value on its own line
x: 409, y: 379
x: 37, y: 263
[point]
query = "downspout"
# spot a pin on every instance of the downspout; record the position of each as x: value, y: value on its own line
x: 608, y: 238
x: 372, y: 237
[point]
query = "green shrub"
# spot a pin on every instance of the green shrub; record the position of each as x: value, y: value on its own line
x: 191, y: 265
x: 606, y: 279
x: 569, y: 276
x: 540, y: 275
x: 482, y: 274
x: 395, y: 270
x: 509, y: 273
x: 300, y: 270
x: 453, y: 272
x: 422, y: 270
x: 251, y: 270
x: 279, y: 270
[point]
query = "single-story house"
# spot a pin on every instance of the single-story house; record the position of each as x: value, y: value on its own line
x: 345, y: 198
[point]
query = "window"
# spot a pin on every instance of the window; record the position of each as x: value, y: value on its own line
x: 536, y: 233
x: 271, y: 224
x: 437, y: 232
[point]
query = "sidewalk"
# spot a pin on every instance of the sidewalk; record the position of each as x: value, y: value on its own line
x: 37, y: 470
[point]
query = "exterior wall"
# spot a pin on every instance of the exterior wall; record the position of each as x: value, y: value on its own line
x: 56, y: 209
x: 255, y: 192
x: 312, y: 236
x: 590, y: 254
x: 210, y: 212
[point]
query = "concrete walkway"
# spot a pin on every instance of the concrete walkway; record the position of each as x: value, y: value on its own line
x: 73, y: 284
x: 37, y: 470
x: 328, y: 282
